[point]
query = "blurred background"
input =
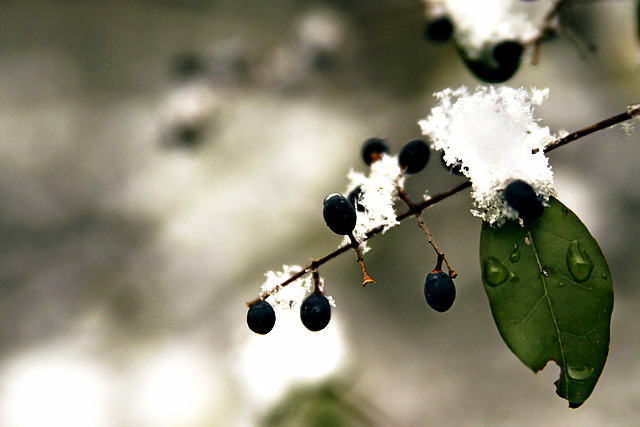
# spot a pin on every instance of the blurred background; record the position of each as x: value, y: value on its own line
x: 158, y: 157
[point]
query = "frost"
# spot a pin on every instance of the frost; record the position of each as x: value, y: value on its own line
x: 628, y: 127
x: 290, y: 296
x: 379, y: 192
x: 493, y: 132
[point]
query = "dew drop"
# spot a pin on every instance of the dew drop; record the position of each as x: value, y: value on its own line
x: 515, y: 255
x: 561, y: 284
x: 579, y: 374
x: 605, y: 276
x: 545, y: 273
x: 513, y: 277
x: 527, y: 241
x: 494, y: 272
x: 578, y: 262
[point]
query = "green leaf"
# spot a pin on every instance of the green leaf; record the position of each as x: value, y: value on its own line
x: 551, y: 295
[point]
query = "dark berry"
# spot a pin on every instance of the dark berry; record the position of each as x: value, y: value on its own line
x: 339, y: 214
x: 439, y: 291
x: 315, y: 312
x: 261, y: 317
x: 372, y: 150
x: 187, y: 65
x: 189, y: 134
x: 498, y: 66
x: 414, y: 156
x: 438, y: 29
x: 455, y: 168
x: 354, y: 199
x: 521, y: 197
x: 508, y: 53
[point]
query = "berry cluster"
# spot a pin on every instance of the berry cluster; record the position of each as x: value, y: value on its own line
x: 497, y: 60
x: 340, y: 215
x: 315, y: 312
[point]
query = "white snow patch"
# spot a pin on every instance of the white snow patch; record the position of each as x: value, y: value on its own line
x: 488, y: 22
x: 379, y: 193
x: 493, y: 132
x: 290, y: 296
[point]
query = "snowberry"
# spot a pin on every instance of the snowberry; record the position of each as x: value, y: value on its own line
x: 414, y: 156
x: 315, y: 312
x: 372, y: 150
x: 521, y: 197
x: 439, y: 291
x: 261, y: 317
x: 339, y: 214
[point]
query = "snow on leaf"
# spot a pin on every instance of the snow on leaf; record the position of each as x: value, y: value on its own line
x: 493, y: 132
x: 379, y: 192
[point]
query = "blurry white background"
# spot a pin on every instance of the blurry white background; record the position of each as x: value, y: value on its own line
x: 158, y: 157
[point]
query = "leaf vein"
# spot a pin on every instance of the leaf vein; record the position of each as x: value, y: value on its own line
x: 553, y: 315
x: 532, y: 309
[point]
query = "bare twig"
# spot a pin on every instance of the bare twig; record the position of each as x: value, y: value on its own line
x: 547, y: 24
x: 412, y: 207
x: 632, y: 112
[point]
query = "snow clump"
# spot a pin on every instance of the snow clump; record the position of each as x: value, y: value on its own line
x: 379, y: 193
x: 290, y: 296
x: 493, y: 132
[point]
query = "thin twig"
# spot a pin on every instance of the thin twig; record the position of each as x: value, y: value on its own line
x: 356, y: 246
x: 405, y: 198
x: 632, y: 112
x: 546, y: 25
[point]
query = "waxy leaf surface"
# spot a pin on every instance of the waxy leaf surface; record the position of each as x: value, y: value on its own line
x: 551, y: 295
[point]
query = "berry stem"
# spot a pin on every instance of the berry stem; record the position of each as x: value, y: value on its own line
x: 356, y: 246
x: 439, y: 264
x: 547, y: 24
x: 316, y: 280
x: 631, y: 112
x: 418, y: 214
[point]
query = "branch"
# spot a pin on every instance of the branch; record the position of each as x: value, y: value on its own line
x: 632, y: 112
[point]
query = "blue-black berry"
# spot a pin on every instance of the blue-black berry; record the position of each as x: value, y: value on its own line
x: 438, y: 29
x: 521, y: 197
x: 372, y: 150
x: 261, y: 317
x: 354, y: 199
x: 498, y: 66
x: 315, y: 312
x: 508, y: 53
x: 439, y: 291
x: 414, y: 156
x: 339, y: 214
x: 187, y: 65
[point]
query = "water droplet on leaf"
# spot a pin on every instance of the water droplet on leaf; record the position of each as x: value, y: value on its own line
x: 545, y: 273
x: 579, y: 374
x: 513, y: 277
x: 527, y: 241
x: 561, y: 284
x: 605, y: 276
x: 515, y: 255
x: 494, y: 272
x: 578, y: 262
